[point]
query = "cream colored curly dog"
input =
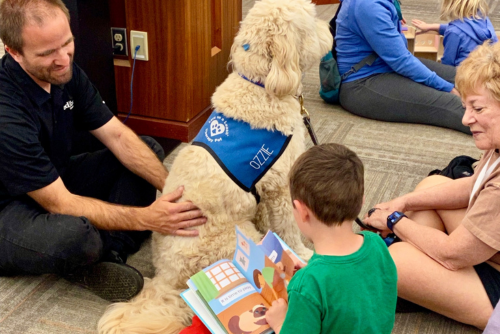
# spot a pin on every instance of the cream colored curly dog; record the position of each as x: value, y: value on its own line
x: 278, y: 40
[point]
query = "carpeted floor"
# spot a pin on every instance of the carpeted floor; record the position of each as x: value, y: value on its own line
x: 396, y: 158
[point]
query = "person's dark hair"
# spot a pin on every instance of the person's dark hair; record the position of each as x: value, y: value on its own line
x: 328, y: 179
x: 15, y: 14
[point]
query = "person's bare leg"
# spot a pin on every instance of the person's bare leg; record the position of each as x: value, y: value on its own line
x: 429, y: 218
x: 443, y: 220
x: 459, y: 295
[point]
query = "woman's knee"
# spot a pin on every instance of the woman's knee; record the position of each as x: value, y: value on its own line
x: 431, y: 181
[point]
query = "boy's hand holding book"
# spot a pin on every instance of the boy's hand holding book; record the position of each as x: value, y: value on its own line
x: 276, y: 314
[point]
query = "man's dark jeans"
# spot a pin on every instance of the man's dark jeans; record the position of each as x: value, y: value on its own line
x: 33, y: 241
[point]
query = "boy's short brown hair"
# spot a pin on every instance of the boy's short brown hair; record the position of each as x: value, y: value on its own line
x: 329, y: 180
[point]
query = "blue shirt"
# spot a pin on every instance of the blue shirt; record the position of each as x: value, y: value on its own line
x: 367, y: 26
x: 461, y: 37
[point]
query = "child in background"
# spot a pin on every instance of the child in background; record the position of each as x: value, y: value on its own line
x: 350, y: 283
x: 469, y: 27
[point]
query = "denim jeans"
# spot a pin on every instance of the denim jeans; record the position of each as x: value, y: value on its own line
x: 33, y: 241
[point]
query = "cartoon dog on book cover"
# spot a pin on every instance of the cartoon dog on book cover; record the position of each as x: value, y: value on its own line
x: 236, y: 170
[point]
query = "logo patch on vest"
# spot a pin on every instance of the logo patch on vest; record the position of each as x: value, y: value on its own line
x: 218, y: 126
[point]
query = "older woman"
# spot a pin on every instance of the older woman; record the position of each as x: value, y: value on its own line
x: 449, y: 259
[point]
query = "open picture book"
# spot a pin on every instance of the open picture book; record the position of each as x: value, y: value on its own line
x: 232, y: 296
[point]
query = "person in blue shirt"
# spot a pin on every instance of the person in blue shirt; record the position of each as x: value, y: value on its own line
x: 469, y: 27
x: 397, y: 87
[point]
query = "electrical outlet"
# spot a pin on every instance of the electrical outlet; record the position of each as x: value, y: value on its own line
x: 139, y: 38
x: 119, y: 39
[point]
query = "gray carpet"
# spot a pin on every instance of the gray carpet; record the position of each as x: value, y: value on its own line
x: 396, y: 158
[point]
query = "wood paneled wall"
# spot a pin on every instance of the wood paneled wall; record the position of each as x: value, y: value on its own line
x: 189, y: 44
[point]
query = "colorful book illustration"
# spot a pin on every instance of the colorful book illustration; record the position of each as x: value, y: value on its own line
x: 232, y: 297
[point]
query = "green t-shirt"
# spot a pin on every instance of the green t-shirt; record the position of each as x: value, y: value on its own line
x: 344, y: 294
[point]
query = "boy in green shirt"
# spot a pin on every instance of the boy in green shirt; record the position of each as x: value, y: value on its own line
x: 350, y: 283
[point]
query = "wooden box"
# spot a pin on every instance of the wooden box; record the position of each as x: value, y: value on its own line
x: 429, y: 46
x: 410, y: 38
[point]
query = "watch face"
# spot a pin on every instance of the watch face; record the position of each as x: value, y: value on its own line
x: 395, y: 216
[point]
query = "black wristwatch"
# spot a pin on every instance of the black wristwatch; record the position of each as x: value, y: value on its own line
x: 393, y: 218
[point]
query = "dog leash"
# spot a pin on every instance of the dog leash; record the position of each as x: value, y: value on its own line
x: 303, y: 112
x: 307, y: 123
x: 307, y: 120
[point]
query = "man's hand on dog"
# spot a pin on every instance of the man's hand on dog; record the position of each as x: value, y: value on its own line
x: 167, y: 217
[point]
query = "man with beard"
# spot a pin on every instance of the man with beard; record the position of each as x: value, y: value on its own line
x: 77, y: 216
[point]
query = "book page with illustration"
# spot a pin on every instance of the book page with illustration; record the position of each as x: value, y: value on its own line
x: 233, y: 296
x: 230, y: 299
x: 267, y: 278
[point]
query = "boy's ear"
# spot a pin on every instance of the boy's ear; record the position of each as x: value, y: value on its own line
x: 302, y: 210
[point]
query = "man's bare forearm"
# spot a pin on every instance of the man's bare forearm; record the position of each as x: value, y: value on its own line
x: 134, y: 154
x: 103, y: 215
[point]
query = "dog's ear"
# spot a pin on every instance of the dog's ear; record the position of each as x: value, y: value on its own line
x: 285, y: 74
x: 234, y: 325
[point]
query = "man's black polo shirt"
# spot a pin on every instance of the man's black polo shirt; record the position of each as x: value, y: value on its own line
x: 36, y: 127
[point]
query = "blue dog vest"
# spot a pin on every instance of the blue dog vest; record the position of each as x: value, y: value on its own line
x: 245, y: 154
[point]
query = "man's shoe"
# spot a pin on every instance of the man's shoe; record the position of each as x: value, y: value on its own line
x: 113, y: 282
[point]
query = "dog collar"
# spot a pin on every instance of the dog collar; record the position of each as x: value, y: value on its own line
x: 258, y: 83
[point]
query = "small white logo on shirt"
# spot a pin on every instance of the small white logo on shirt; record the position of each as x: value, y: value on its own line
x: 69, y: 105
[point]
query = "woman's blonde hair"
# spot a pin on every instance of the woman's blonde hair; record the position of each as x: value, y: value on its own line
x: 480, y: 69
x: 463, y: 9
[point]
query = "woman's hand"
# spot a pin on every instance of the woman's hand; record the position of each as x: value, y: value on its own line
x: 276, y: 314
x: 379, y: 213
x: 397, y: 204
x: 378, y: 220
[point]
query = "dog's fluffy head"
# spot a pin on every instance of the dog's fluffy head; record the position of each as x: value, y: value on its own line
x: 277, y: 41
